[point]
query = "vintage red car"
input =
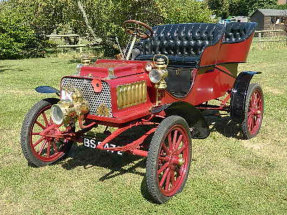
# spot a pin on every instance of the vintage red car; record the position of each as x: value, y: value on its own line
x: 164, y: 80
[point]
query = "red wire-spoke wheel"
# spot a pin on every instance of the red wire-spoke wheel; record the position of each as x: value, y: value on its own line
x: 169, y: 159
x: 40, y: 140
x: 254, y: 110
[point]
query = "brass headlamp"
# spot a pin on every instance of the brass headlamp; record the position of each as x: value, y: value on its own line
x: 86, y: 61
x: 71, y: 107
x: 158, y: 75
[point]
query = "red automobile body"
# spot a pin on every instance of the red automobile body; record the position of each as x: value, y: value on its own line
x: 214, y: 77
x: 213, y: 72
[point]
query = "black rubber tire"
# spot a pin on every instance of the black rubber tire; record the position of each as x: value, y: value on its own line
x: 28, y: 122
x: 152, y: 159
x: 244, y: 125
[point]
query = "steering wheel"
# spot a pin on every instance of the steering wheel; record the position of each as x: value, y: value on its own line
x: 140, y: 29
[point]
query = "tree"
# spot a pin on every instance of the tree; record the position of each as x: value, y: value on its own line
x: 220, y: 7
x: 223, y: 8
x: 18, y: 40
x: 183, y: 11
x: 105, y: 17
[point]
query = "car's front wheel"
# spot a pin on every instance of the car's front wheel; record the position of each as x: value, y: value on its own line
x: 38, y: 142
x: 169, y: 159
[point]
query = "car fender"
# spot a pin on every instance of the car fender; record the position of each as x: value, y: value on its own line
x: 192, y: 115
x: 47, y: 89
x: 238, y: 95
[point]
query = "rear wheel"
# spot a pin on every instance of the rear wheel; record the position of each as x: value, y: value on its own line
x: 254, y: 110
x: 169, y: 159
x: 38, y: 145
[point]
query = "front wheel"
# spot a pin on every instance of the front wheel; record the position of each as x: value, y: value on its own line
x: 39, y: 146
x: 169, y: 159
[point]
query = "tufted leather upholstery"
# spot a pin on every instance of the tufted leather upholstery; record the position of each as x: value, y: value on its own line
x: 238, y: 31
x: 182, y: 43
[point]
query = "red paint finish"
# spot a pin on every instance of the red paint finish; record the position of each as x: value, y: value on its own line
x: 119, y: 68
x: 133, y: 146
x: 234, y: 52
x: 208, y: 85
x: 209, y: 55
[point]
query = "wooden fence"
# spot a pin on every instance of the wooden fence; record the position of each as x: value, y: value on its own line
x: 75, y: 37
x: 270, y: 36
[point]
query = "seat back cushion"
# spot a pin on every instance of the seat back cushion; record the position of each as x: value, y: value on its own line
x: 182, y: 43
x: 236, y: 32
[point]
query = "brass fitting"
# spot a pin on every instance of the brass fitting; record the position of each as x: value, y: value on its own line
x: 67, y: 111
x: 86, y: 61
x: 161, y: 65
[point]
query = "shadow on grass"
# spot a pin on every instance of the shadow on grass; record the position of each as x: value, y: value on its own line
x: 2, y: 69
x: 117, y: 164
x: 10, y: 68
x: 223, y: 124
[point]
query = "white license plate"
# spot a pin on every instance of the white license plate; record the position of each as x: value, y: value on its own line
x: 93, y: 143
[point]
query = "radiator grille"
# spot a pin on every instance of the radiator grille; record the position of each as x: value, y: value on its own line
x: 94, y: 99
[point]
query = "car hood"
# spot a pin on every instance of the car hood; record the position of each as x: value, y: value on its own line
x: 109, y: 69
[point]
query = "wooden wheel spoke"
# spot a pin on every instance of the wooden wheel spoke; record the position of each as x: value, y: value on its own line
x: 162, y: 168
x: 167, y: 181
x: 45, y: 119
x: 174, y: 138
x: 178, y: 142
x: 55, y: 147
x: 38, y: 142
x: 164, y: 177
x: 250, y: 122
x: 180, y: 150
x: 172, y: 177
x: 169, y: 142
x: 42, y: 148
x: 48, y: 149
x: 165, y: 149
x: 39, y: 124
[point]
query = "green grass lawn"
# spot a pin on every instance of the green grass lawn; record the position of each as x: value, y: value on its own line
x: 228, y: 175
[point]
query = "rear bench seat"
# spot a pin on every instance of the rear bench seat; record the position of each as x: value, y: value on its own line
x: 182, y: 43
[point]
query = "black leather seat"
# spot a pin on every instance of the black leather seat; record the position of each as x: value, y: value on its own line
x: 236, y: 32
x: 182, y: 43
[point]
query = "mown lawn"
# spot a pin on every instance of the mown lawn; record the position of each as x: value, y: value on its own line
x: 228, y: 175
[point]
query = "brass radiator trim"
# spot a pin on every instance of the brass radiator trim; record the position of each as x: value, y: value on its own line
x: 131, y: 94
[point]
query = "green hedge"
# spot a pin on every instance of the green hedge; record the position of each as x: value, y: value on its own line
x: 18, y: 40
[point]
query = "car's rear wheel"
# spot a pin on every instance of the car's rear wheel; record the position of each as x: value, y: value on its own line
x: 38, y: 145
x: 169, y: 159
x: 254, y: 110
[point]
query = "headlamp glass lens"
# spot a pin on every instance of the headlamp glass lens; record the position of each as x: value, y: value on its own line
x: 155, y: 76
x: 57, y: 115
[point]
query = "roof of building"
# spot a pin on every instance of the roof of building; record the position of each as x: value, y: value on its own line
x: 271, y: 12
